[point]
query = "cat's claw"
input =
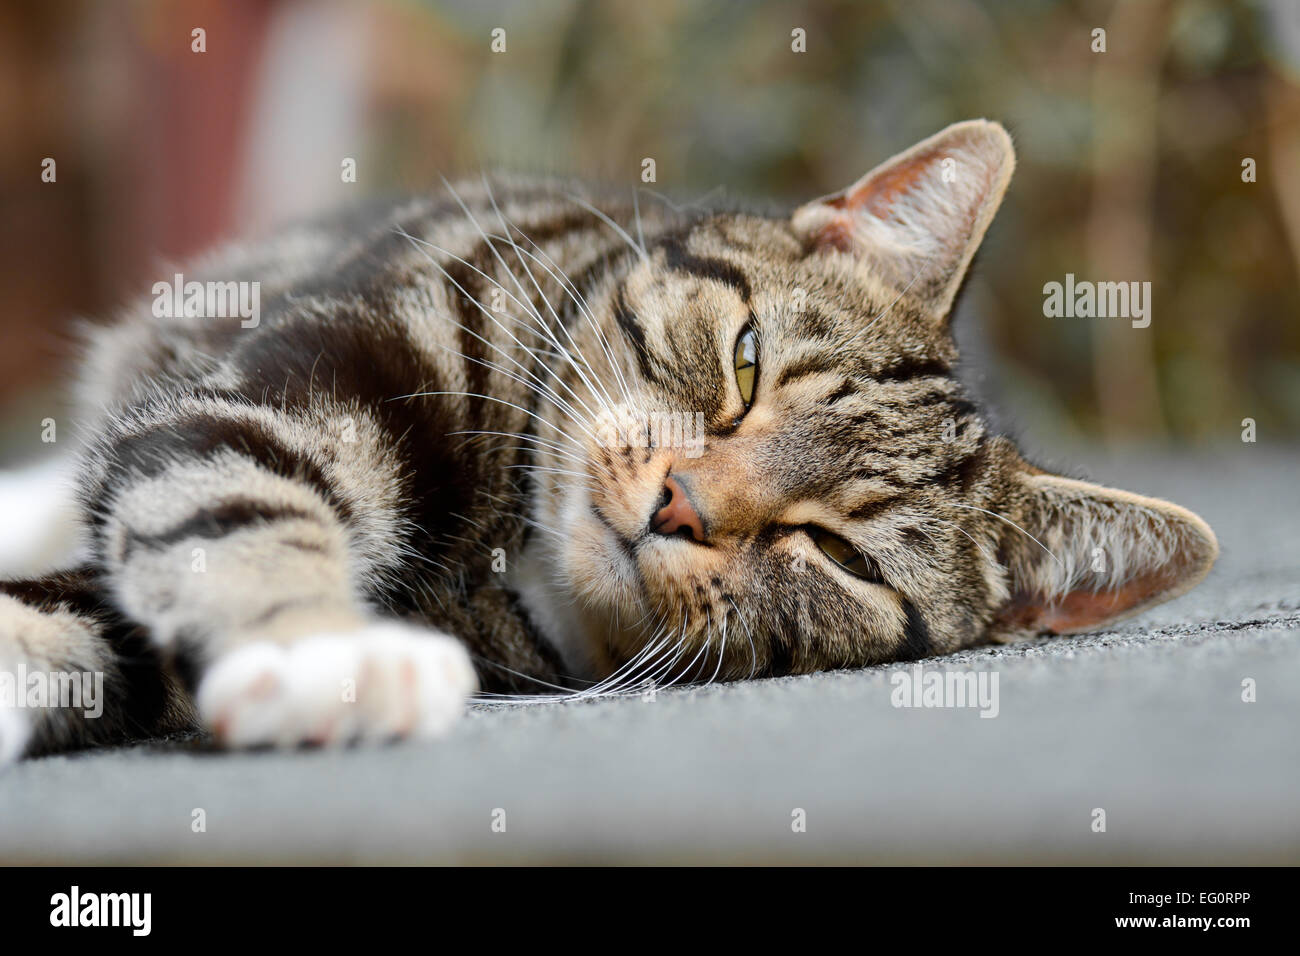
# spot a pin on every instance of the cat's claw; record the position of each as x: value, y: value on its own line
x: 379, y: 682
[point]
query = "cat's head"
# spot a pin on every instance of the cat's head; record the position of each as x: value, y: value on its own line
x: 824, y: 493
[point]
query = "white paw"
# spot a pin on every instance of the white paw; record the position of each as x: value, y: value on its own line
x: 15, y: 730
x: 381, y: 681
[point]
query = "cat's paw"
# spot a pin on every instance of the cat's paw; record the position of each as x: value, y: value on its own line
x: 15, y: 722
x: 15, y: 731
x: 381, y: 681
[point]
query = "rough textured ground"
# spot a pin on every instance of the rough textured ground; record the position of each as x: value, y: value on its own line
x: 1146, y: 722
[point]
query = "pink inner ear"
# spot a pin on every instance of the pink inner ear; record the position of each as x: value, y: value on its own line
x: 875, y: 196
x: 1081, y: 610
x: 878, y: 194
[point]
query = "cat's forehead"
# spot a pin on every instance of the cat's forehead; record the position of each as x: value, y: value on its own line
x: 739, y: 267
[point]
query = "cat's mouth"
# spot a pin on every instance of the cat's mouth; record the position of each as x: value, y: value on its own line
x: 620, y: 569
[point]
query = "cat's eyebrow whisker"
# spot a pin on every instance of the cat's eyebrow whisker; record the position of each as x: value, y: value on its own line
x: 562, y: 352
x: 580, y: 302
x: 523, y: 303
x: 529, y: 350
x: 636, y: 214
x: 507, y: 227
x: 994, y: 514
x: 982, y: 549
x: 574, y: 198
x: 677, y: 207
x: 919, y: 272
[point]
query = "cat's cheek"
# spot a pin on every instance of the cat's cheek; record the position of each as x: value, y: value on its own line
x: 597, y: 565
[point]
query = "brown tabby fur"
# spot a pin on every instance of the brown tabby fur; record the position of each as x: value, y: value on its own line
x: 414, y: 430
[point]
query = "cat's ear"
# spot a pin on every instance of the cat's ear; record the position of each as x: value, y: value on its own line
x: 918, y: 218
x: 1083, y: 555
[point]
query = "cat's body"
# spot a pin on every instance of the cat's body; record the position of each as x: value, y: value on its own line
x: 424, y: 447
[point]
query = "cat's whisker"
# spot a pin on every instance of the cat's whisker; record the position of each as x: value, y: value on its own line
x: 580, y: 303
x: 519, y: 254
x: 626, y: 675
x: 636, y: 214
x: 554, y: 471
x: 994, y: 514
x: 550, y: 446
x: 534, y: 523
x: 638, y: 667
x: 679, y: 649
x: 567, y: 693
x: 491, y: 398
x: 561, y: 405
x: 907, y: 288
x: 753, y: 668
x: 981, y: 548
x: 518, y: 284
x: 572, y: 197
x: 586, y: 313
x: 609, y: 687
x: 722, y: 653
x: 492, y: 316
x: 682, y: 675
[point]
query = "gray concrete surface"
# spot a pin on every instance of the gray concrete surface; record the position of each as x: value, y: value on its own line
x: 1145, y: 721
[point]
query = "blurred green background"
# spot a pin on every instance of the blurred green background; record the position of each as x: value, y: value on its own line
x: 1130, y: 160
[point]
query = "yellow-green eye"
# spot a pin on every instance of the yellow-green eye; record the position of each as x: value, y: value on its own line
x: 746, y: 365
x: 845, y: 555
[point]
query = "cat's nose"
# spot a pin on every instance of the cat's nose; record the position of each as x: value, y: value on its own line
x: 676, y: 514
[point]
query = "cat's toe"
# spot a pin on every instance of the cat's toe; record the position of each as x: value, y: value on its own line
x: 382, y: 681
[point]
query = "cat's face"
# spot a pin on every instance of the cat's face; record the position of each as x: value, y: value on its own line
x: 778, y: 473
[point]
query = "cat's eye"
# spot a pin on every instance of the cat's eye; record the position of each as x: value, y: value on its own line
x: 746, y: 364
x: 845, y: 555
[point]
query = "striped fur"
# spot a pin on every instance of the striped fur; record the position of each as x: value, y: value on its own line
x: 414, y: 433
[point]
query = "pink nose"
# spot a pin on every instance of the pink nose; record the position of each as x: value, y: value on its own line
x: 677, y: 513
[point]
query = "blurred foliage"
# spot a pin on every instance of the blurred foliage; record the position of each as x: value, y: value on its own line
x: 713, y: 92
x: 1158, y: 125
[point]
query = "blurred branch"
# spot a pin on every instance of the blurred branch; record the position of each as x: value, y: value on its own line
x: 1282, y: 101
x: 1126, y: 92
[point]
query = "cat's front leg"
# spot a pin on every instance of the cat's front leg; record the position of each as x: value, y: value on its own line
x: 249, y: 563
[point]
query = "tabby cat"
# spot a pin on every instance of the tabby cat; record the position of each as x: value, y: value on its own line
x: 413, y: 478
